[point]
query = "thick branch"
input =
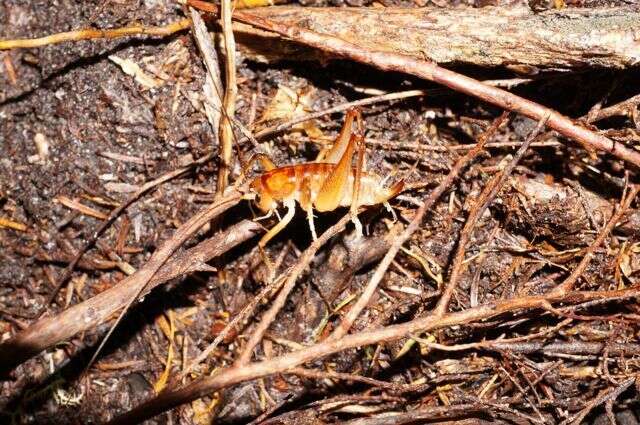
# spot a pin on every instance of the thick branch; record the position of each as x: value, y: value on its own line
x: 81, y: 317
x: 233, y: 375
x: 430, y: 71
x: 488, y: 36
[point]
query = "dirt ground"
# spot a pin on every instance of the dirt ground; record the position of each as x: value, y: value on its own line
x: 75, y: 128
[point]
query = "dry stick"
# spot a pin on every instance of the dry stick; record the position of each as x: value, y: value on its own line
x: 240, y: 317
x: 110, y: 219
x: 360, y: 102
x: 278, y: 303
x: 401, y: 63
x: 602, y: 398
x: 230, y: 94
x: 479, y: 207
x: 339, y: 108
x: 498, y: 344
x: 570, y: 282
x: 89, y: 34
x: 623, y: 108
x: 49, y: 331
x: 212, y: 87
x: 234, y: 375
x: 432, y: 414
x: 417, y: 147
x: 317, y: 374
x: 159, y: 257
x: 369, y: 290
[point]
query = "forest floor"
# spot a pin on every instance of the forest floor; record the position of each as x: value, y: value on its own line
x: 78, y: 135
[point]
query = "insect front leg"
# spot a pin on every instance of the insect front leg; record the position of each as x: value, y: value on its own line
x: 291, y: 208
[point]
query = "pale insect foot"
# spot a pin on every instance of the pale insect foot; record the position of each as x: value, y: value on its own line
x: 356, y: 222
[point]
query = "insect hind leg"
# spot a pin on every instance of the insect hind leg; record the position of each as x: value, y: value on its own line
x: 357, y: 178
x: 264, y: 160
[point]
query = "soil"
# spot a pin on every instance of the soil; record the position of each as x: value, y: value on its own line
x: 74, y: 126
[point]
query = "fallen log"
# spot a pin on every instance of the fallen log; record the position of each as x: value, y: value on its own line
x: 489, y: 36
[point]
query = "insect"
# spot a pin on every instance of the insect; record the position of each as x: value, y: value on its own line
x: 324, y: 185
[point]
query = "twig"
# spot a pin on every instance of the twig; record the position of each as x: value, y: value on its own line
x: 514, y: 344
x: 212, y: 89
x: 432, y: 414
x: 90, y: 34
x: 240, y: 317
x: 110, y: 219
x: 159, y: 257
x: 317, y: 374
x: 604, y: 396
x: 49, y: 331
x: 229, y: 101
x: 481, y: 204
x: 420, y: 147
x: 277, y: 128
x: 570, y: 282
x: 234, y: 375
x: 296, y: 271
x: 369, y: 290
x: 624, y: 108
x: 338, y: 108
x: 430, y: 71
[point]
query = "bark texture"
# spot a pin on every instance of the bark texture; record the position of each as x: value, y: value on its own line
x: 490, y: 36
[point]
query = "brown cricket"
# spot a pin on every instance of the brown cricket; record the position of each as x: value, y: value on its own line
x: 327, y: 183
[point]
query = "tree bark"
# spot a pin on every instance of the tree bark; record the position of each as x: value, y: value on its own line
x: 490, y: 36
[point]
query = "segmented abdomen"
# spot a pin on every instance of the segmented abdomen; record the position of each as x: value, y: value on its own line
x: 292, y: 181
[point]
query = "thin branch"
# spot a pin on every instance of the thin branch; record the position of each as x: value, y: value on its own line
x: 90, y: 34
x: 230, y: 94
x: 317, y: 374
x: 277, y: 128
x: 388, y: 61
x: 233, y: 375
x: 303, y: 262
x: 478, y: 209
x: 369, y: 290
